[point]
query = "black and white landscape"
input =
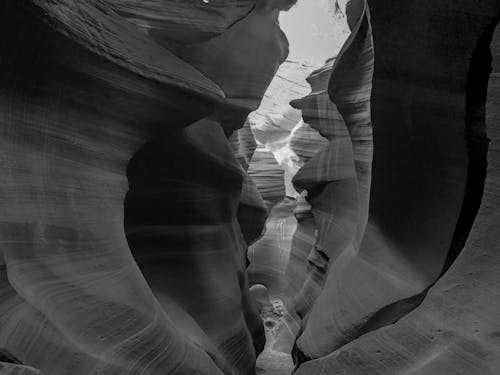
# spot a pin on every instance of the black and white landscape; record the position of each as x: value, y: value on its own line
x: 240, y: 187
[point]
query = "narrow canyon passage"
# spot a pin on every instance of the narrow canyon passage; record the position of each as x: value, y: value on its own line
x: 250, y: 187
x: 277, y: 262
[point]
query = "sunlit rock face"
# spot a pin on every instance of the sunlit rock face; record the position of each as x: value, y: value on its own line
x: 275, y: 120
x: 297, y: 269
x: 306, y: 142
x: 265, y: 171
x: 338, y: 177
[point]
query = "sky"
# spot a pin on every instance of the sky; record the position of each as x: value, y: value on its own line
x: 313, y: 31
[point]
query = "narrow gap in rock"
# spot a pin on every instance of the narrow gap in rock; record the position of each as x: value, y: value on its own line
x: 316, y: 31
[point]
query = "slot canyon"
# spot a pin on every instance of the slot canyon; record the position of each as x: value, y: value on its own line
x: 250, y: 187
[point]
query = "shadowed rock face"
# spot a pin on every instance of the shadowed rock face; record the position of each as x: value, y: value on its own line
x: 183, y: 21
x: 75, y: 109
x: 197, y: 258
x: 79, y: 103
x: 429, y: 164
x: 126, y: 208
x: 194, y: 260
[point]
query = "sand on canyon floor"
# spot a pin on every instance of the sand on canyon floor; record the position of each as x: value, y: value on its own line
x: 272, y: 361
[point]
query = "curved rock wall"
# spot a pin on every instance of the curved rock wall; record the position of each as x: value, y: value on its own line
x: 194, y: 257
x: 76, y: 105
x: 338, y: 177
x: 182, y: 216
x: 86, y: 92
x: 455, y: 329
x: 389, y: 271
x: 183, y: 21
x: 428, y: 173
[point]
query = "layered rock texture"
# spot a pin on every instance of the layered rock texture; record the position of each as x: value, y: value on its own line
x: 158, y: 218
x: 90, y: 107
x: 404, y: 298
x: 183, y: 21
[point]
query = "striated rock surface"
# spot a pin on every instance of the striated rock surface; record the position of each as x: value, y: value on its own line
x: 86, y: 92
x: 252, y: 210
x: 268, y: 176
x: 275, y: 128
x: 243, y: 143
x: 77, y: 103
x: 337, y: 178
x: 197, y: 258
x: 173, y: 21
x: 270, y: 255
x: 273, y: 122
x: 455, y: 329
x: 306, y: 142
x: 428, y: 172
x: 288, y: 84
x: 303, y: 241
x: 134, y: 194
x: 224, y: 59
x: 194, y: 260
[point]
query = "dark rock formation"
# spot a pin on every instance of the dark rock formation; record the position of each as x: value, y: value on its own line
x: 194, y: 258
x: 191, y: 210
x: 182, y: 216
x: 252, y: 210
x: 85, y: 91
x: 134, y: 194
x: 428, y: 114
x: 183, y: 21
x: 77, y: 104
x: 306, y: 142
x: 338, y: 177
